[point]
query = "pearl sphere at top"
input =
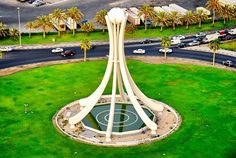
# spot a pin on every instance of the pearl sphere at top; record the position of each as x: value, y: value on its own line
x: 116, y: 15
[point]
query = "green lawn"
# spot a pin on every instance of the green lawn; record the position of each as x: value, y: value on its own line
x: 229, y: 45
x: 205, y: 97
x: 140, y: 33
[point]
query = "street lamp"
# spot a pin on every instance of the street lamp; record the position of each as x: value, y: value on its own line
x: 18, y: 10
x: 25, y: 105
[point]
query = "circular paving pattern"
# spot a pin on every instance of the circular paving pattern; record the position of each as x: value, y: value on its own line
x: 125, y: 118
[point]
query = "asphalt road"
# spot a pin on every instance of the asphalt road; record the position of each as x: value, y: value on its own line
x: 21, y: 57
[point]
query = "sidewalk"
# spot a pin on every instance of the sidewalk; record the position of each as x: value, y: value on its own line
x: 205, y: 48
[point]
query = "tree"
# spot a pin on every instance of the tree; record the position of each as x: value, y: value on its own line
x: 165, y: 43
x: 200, y: 16
x: 76, y: 15
x: 131, y: 28
x: 3, y: 30
x: 147, y: 12
x: 174, y: 17
x: 214, y: 46
x: 215, y: 7
x: 14, y: 34
x: 30, y: 26
x: 188, y: 18
x: 227, y: 12
x: 43, y: 22
x: 161, y: 19
x: 88, y: 27
x: 100, y: 18
x: 59, y: 16
x: 85, y: 45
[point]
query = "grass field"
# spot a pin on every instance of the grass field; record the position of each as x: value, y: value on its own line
x: 229, y: 45
x: 205, y: 98
x: 140, y: 33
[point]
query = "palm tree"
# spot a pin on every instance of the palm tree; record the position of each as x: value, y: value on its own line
x: 214, y: 46
x: 88, y: 27
x: 43, y: 22
x: 30, y: 26
x: 85, y: 45
x: 216, y: 7
x: 100, y: 18
x: 3, y: 30
x: 14, y: 34
x: 76, y: 15
x: 165, y: 43
x: 59, y: 16
x: 200, y: 16
x: 227, y: 12
x: 131, y: 28
x: 188, y: 18
x: 174, y: 17
x: 148, y: 12
x: 161, y: 19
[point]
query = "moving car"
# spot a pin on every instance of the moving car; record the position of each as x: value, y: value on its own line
x: 6, y: 49
x: 139, y: 51
x: 38, y: 3
x: 68, y: 53
x: 227, y: 63
x: 57, y: 50
x: 31, y: 1
x: 147, y: 40
x: 193, y: 43
x: 168, y: 50
x: 181, y: 45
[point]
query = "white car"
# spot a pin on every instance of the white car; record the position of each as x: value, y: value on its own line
x: 181, y: 37
x: 6, y: 49
x: 168, y: 50
x: 139, y: 51
x: 57, y: 50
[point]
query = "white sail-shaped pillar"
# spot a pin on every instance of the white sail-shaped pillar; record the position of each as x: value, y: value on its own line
x: 116, y: 22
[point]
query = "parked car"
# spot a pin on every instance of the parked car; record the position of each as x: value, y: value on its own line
x: 193, y: 43
x: 139, y: 51
x: 6, y: 49
x: 200, y: 34
x: 175, y: 41
x: 146, y: 40
x: 181, y: 37
x: 57, y: 50
x: 181, y: 45
x: 68, y: 53
x: 168, y: 50
x: 228, y: 63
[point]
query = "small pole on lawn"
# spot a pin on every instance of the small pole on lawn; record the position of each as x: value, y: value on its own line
x: 18, y: 10
x: 25, y: 108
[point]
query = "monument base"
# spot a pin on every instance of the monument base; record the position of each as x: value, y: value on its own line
x: 127, y: 128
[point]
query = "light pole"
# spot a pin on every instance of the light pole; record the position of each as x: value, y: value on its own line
x: 18, y: 10
x: 25, y: 108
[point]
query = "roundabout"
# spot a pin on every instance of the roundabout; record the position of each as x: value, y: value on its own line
x: 183, y: 86
x: 88, y: 119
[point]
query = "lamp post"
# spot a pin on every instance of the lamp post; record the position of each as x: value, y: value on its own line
x: 18, y: 10
x: 25, y: 105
